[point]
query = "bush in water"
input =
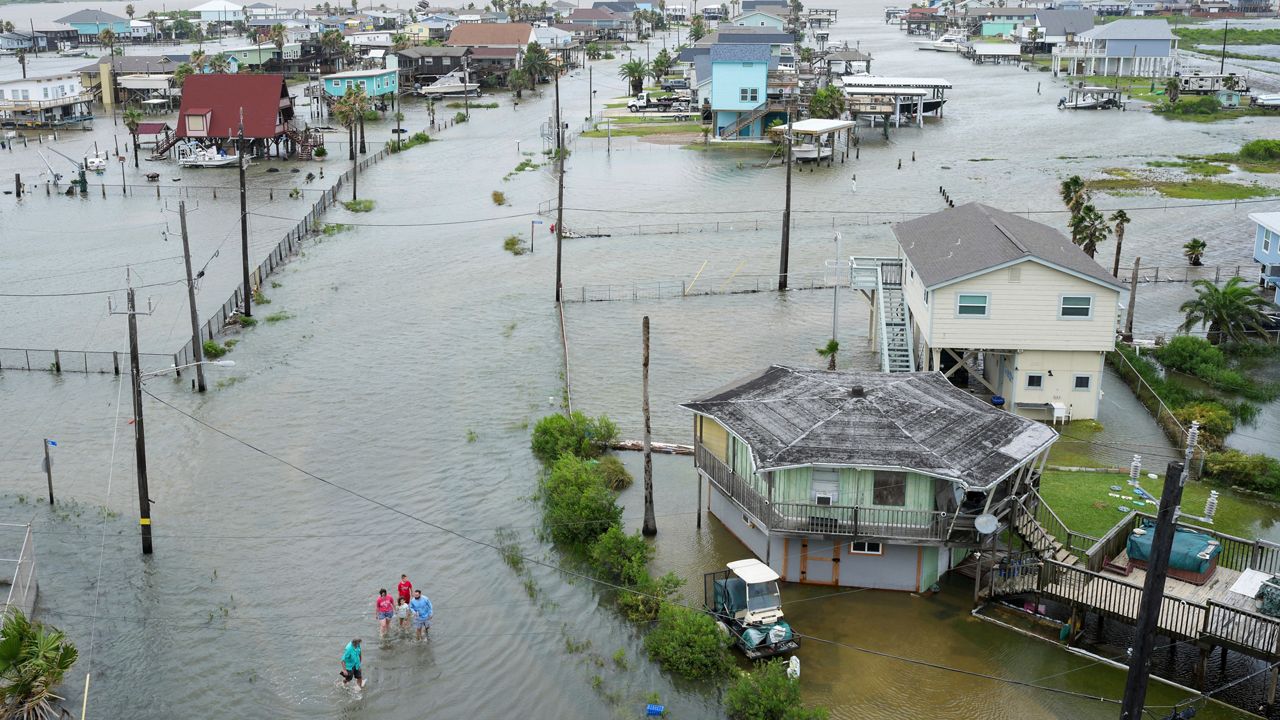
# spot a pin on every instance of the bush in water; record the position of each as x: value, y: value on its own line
x: 689, y: 644
x: 766, y: 693
x: 577, y: 507
x: 575, y: 434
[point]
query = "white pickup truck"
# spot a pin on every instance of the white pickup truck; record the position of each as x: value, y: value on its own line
x: 644, y: 102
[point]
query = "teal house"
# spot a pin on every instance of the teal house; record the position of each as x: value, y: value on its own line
x: 862, y: 479
x: 739, y: 90
x: 375, y: 82
x: 88, y: 23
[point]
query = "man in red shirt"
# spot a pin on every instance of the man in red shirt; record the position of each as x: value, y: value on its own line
x: 405, y: 588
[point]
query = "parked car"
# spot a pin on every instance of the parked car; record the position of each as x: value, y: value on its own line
x: 673, y: 84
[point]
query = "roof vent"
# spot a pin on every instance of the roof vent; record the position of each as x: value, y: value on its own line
x: 857, y: 391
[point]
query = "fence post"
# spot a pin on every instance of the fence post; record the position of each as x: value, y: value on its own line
x: 1157, y: 275
x: 1217, y: 272
x: 57, y: 361
x: 115, y: 361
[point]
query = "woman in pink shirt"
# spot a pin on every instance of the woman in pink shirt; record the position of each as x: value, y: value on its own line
x: 385, y: 608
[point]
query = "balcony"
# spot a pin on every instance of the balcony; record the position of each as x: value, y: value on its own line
x: 44, y: 104
x: 877, y: 523
x: 1079, y: 51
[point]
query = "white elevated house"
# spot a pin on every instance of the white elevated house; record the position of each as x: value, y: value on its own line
x: 1000, y: 302
x: 220, y: 11
x: 45, y: 101
x: 860, y: 478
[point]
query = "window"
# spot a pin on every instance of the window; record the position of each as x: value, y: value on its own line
x: 1266, y: 241
x: 447, y: 61
x: 865, y: 548
x: 1015, y: 274
x: 972, y: 304
x: 1081, y: 382
x: 749, y: 95
x: 195, y: 124
x: 46, y: 92
x: 889, y: 488
x: 1035, y: 381
x: 1076, y: 306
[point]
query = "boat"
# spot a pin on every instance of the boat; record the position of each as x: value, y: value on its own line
x: 96, y: 163
x: 450, y: 85
x: 1086, y: 97
x: 810, y: 151
x: 1267, y: 101
x: 745, y: 602
x: 907, y: 106
x: 193, y: 155
x: 950, y: 42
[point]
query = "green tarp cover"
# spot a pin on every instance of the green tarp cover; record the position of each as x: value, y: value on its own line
x: 767, y: 634
x: 1187, y: 547
x: 731, y: 595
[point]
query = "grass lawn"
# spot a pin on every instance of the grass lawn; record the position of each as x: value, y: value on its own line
x: 1081, y: 499
x: 639, y: 119
x: 640, y: 130
x: 1192, y: 167
x: 1127, y: 182
x: 1253, y: 166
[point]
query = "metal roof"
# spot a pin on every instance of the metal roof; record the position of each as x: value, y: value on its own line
x: 883, y: 81
x: 740, y: 52
x: 1131, y: 30
x: 1269, y: 220
x: 792, y: 417
x: 971, y: 238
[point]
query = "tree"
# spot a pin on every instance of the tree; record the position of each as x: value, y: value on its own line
x: 593, y: 50
x: 1074, y: 194
x: 1194, y: 250
x: 401, y: 41
x: 183, y: 28
x: 537, y: 63
x: 197, y: 60
x: 355, y: 5
x: 1172, y: 89
x: 634, y: 71
x: 829, y: 351
x: 132, y: 119
x: 1089, y: 229
x: 768, y: 693
x: 806, y: 55
x: 128, y: 10
x: 7, y: 25
x: 661, y: 63
x: 1033, y: 37
x: 697, y: 29
x: 276, y: 36
x: 827, y: 102
x: 1230, y: 312
x: 108, y: 38
x: 332, y: 43
x: 33, y: 660
x: 518, y: 81
x: 21, y: 57
x: 181, y: 73
x: 219, y: 63
x: 1119, y: 219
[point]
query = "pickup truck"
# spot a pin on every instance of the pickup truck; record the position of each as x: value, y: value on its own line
x: 673, y: 84
x: 643, y: 102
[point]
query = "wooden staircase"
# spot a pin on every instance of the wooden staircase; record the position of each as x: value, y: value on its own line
x: 1040, y: 540
x: 163, y: 147
x: 306, y: 138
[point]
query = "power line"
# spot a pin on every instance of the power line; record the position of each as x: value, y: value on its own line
x: 413, y: 225
x: 89, y: 292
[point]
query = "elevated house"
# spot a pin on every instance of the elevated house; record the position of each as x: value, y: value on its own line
x: 379, y: 83
x: 1056, y: 27
x: 1266, y: 250
x: 265, y: 56
x: 860, y: 478
x: 739, y: 95
x: 1145, y: 48
x: 603, y: 22
x: 496, y: 48
x: 58, y: 36
x: 23, y: 40
x: 220, y: 12
x: 214, y: 105
x: 45, y: 101
x: 997, y: 21
x: 760, y: 18
x: 89, y: 23
x: 1007, y: 304
x: 424, y: 65
x: 434, y: 27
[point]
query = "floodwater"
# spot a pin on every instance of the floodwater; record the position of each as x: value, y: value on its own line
x: 417, y: 353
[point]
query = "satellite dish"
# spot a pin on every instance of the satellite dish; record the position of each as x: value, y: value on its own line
x: 986, y: 523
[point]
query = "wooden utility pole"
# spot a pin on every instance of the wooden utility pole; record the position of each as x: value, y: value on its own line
x: 590, y: 95
x: 244, y: 220
x: 559, y: 186
x: 786, y: 212
x: 197, y: 349
x: 650, y: 523
x: 1135, y: 686
x: 48, y: 469
x: 1222, y: 65
x: 355, y: 163
x: 1133, y: 301
x: 139, y: 437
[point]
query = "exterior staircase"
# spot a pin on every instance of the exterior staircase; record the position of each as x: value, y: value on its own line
x: 743, y: 121
x: 896, y: 352
x: 164, y: 145
x: 306, y: 138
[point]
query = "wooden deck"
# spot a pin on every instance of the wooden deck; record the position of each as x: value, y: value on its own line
x: 1218, y: 588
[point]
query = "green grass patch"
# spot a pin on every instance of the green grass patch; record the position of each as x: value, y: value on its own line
x: 514, y: 244
x: 1192, y: 167
x: 1073, y: 449
x: 1081, y: 499
x: 214, y: 349
x: 643, y: 129
x: 1128, y: 183
x: 1257, y: 156
x: 247, y: 321
x: 277, y: 317
x: 358, y: 206
x: 455, y: 105
x: 416, y: 139
x: 761, y: 148
x: 1235, y: 36
x: 331, y: 229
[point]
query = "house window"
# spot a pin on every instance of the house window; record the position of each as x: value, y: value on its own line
x: 1035, y: 381
x: 195, y: 123
x: 1081, y: 382
x: 447, y: 61
x: 749, y: 95
x: 1266, y: 241
x: 865, y: 548
x: 1015, y: 274
x: 889, y: 488
x: 46, y: 92
x: 972, y: 304
x: 1076, y: 306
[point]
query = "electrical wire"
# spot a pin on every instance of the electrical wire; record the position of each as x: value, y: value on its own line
x: 102, y: 546
x: 412, y: 225
x: 91, y: 292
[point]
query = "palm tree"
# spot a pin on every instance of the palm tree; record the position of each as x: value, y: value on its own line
x: 21, y: 57
x: 401, y: 41
x: 276, y: 35
x: 132, y: 119
x: 829, y: 351
x: 7, y: 25
x: 197, y: 60
x: 1230, y: 312
x: 219, y: 63
x: 33, y: 660
x: 660, y: 65
x: 634, y: 71
x: 181, y: 73
x: 108, y: 38
x: 827, y: 102
x: 1033, y: 36
x: 1074, y: 194
x: 1194, y: 250
x: 1089, y: 229
x: 593, y: 50
x: 537, y: 63
x: 1119, y: 219
x: 128, y: 10
x: 1172, y: 89
x: 518, y: 81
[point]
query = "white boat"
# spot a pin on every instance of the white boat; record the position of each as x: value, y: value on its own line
x: 451, y: 84
x: 1091, y: 98
x: 950, y: 42
x: 96, y: 163
x: 810, y: 151
x: 193, y: 155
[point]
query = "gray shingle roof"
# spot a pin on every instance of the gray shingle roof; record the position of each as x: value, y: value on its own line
x: 421, y: 51
x: 91, y: 16
x: 973, y: 237
x: 917, y: 421
x: 1131, y: 30
x: 739, y: 52
x: 1063, y: 22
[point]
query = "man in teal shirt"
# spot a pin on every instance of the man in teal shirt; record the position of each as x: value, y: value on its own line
x: 351, y: 664
x: 422, y: 611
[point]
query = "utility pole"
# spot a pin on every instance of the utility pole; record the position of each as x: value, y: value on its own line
x: 786, y: 212
x: 244, y: 220
x: 48, y: 467
x: 139, y: 437
x: 559, y: 186
x: 197, y: 350
x: 1222, y: 65
x: 466, y: 94
x: 590, y: 95
x: 1133, y: 301
x: 1135, y: 686
x: 650, y: 524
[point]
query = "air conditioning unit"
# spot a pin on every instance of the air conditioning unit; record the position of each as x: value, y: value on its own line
x: 823, y: 498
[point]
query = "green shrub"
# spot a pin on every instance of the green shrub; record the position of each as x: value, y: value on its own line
x: 646, y: 598
x: 1261, y: 150
x: 514, y: 244
x: 766, y: 693
x: 689, y: 644
x: 247, y: 321
x: 499, y: 197
x: 213, y: 349
x: 576, y: 434
x: 259, y: 298
x: 1187, y: 352
x: 459, y: 118
x: 621, y: 558
x: 358, y: 206
x: 1253, y: 472
x: 616, y: 475
x: 577, y: 507
x: 320, y: 152
x: 1205, y: 105
x: 1215, y: 421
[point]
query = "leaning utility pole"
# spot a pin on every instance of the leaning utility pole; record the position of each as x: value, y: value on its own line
x: 559, y: 185
x: 197, y: 350
x: 244, y: 220
x: 650, y: 524
x: 1144, y: 636
x: 1133, y: 301
x: 1222, y: 65
x: 139, y: 437
x: 786, y: 212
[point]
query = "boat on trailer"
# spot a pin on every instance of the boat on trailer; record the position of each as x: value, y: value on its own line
x: 453, y: 84
x: 1086, y: 97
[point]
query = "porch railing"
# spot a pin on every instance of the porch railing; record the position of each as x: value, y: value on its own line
x: 21, y: 593
x: 733, y: 485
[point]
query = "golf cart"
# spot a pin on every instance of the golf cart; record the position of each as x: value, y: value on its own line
x: 745, y: 602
